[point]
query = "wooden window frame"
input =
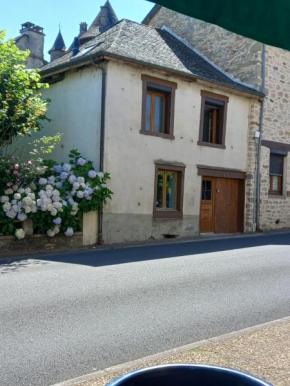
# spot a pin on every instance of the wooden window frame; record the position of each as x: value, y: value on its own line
x: 155, y: 94
x: 280, y: 181
x: 278, y: 192
x: 219, y: 98
x: 158, y: 87
x: 169, y: 213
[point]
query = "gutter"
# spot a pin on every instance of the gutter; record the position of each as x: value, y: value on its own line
x: 258, y: 175
x: 102, y: 143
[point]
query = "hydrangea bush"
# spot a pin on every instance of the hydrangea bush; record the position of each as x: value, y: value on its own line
x: 55, y: 196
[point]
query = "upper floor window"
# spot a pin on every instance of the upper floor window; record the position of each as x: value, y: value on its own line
x: 276, y: 173
x: 158, y: 107
x: 213, y: 119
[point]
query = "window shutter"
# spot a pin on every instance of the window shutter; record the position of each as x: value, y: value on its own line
x: 276, y: 164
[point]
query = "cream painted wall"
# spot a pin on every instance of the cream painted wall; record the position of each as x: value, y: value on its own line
x: 75, y: 111
x: 130, y: 156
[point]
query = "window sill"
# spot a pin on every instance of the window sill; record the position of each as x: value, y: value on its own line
x: 167, y: 214
x: 161, y: 135
x: 216, y: 145
x: 277, y: 196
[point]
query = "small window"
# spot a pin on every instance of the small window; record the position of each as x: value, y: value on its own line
x: 276, y: 174
x: 168, y: 191
x: 158, y: 107
x: 213, y: 120
x: 206, y: 190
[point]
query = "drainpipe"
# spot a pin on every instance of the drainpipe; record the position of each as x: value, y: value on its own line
x: 258, y: 176
x: 102, y: 144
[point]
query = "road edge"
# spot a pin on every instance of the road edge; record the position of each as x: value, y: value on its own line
x: 165, y: 354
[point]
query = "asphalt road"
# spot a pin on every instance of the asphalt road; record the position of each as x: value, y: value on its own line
x: 64, y: 316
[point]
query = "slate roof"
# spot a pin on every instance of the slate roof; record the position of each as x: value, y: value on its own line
x: 105, y: 19
x: 59, y: 44
x: 145, y: 45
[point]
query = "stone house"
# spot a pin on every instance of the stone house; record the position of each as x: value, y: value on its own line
x: 267, y: 69
x: 170, y: 127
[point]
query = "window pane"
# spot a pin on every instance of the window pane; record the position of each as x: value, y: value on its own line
x: 275, y: 182
x: 160, y: 181
x: 206, y: 190
x: 159, y: 110
x: 171, y: 190
x: 211, y: 132
x: 148, y: 111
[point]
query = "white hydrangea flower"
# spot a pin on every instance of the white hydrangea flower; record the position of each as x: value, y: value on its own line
x: 92, y: 174
x: 44, y: 208
x: 66, y: 168
x: 4, y: 199
x: 56, y: 229
x: 27, y: 191
x: 49, y: 207
x: 100, y: 175
x: 51, y: 180
x: 42, y: 181
x: 20, y: 234
x: 22, y: 216
x: 76, y: 185
x: 57, y: 205
x: 6, y: 206
x: 69, y: 232
x: 64, y: 175
x: 15, y: 187
x: 50, y: 233
x: 80, y: 194
x: 53, y: 212
x: 8, y: 191
x: 28, y: 209
x: 11, y: 214
x: 17, y: 196
x: 72, y: 179
x: 81, y: 180
x: 57, y: 221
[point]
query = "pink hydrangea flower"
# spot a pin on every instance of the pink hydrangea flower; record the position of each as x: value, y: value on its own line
x: 9, y: 184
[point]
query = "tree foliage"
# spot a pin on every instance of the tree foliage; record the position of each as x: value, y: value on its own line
x: 21, y: 105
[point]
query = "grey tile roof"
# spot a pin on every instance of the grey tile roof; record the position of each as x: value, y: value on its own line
x: 105, y: 19
x: 157, y: 48
x: 59, y: 44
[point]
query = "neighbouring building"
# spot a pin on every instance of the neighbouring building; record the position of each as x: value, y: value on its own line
x: 243, y: 59
x: 171, y: 128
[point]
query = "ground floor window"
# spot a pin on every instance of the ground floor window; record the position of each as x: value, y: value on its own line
x: 168, y: 195
x: 276, y: 173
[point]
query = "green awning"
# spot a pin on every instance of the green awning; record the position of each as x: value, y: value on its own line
x: 267, y: 21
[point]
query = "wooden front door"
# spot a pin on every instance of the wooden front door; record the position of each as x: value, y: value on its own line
x: 222, y: 205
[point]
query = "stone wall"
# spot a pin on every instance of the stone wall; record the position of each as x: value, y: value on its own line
x: 250, y: 201
x: 234, y: 54
x: 275, y: 211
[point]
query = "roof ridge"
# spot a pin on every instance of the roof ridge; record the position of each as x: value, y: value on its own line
x: 196, y: 51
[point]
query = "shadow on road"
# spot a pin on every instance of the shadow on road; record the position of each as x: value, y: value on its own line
x: 99, y: 258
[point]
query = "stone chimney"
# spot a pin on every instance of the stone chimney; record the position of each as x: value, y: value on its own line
x: 83, y: 28
x: 32, y: 38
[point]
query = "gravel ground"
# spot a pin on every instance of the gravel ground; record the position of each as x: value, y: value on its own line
x: 265, y: 353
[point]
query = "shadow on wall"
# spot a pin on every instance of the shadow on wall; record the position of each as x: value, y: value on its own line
x: 100, y: 258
